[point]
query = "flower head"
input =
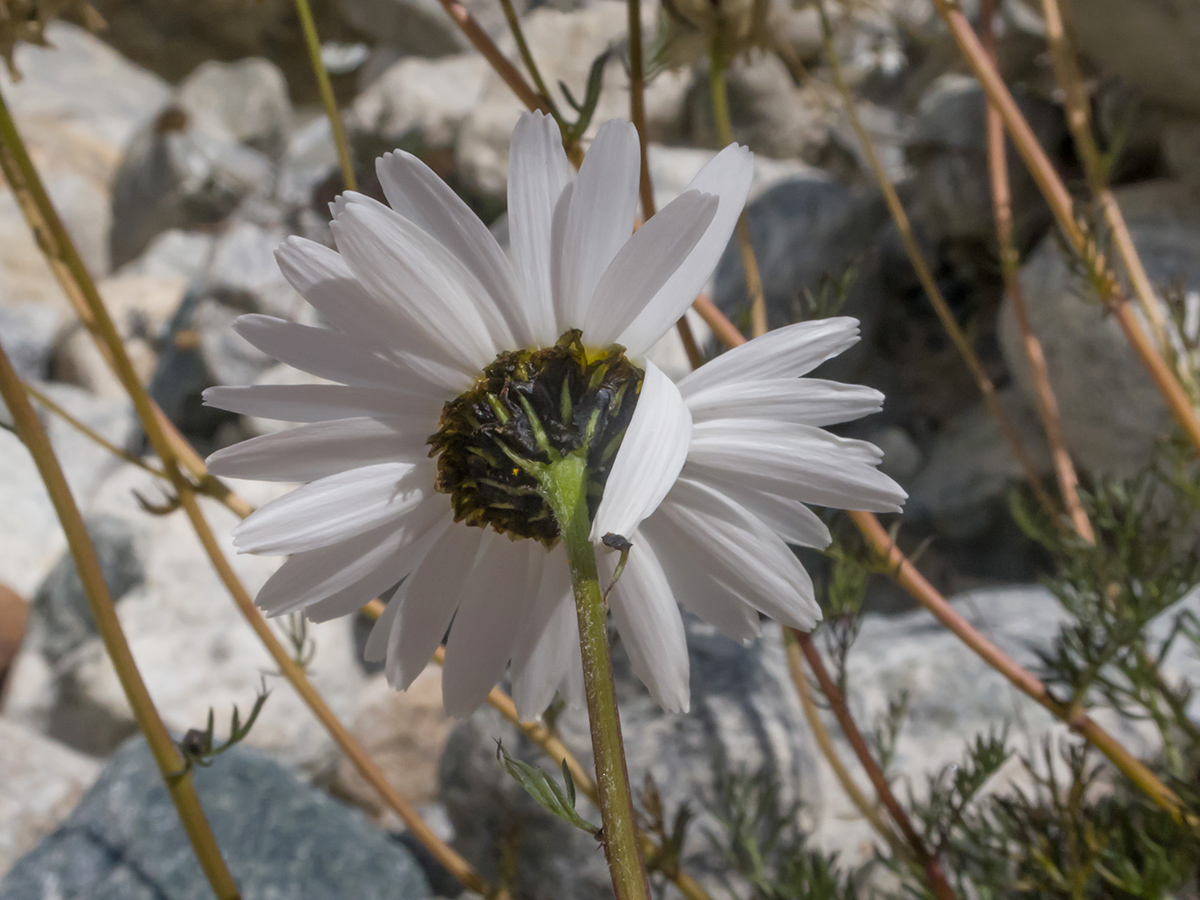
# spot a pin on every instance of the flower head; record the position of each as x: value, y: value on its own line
x: 460, y: 373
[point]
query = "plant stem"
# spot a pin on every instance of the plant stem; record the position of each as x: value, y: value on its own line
x: 929, y: 863
x: 925, y: 275
x: 720, y: 102
x: 1047, y: 404
x: 564, y: 486
x: 514, y: 26
x: 178, y: 779
x: 328, y: 100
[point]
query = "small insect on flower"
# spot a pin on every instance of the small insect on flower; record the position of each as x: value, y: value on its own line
x: 463, y: 374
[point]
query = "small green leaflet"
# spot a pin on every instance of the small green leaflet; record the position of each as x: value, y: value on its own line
x: 545, y: 790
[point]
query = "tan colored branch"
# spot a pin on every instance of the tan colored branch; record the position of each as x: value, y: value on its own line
x: 1062, y: 207
x: 1047, y: 403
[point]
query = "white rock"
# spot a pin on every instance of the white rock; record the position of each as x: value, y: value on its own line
x: 429, y: 96
x: 565, y: 45
x: 30, y: 537
x: 193, y: 648
x: 40, y: 783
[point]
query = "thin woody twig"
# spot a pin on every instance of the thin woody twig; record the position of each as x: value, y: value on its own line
x: 1047, y: 404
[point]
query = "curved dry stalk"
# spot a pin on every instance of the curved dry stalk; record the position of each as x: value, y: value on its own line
x: 91, y: 434
x: 929, y: 863
x: 1047, y: 403
x: 864, y: 806
x: 925, y: 275
x: 66, y: 258
x: 176, y: 775
x: 325, y: 88
x: 1061, y: 205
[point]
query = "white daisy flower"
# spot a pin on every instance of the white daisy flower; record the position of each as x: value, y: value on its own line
x: 456, y: 367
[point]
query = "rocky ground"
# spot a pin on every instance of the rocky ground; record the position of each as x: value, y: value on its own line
x: 184, y: 144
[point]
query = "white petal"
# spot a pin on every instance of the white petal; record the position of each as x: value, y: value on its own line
x: 379, y: 638
x: 740, y: 553
x: 309, y: 452
x: 321, y: 402
x: 783, y: 353
x: 651, y: 628
x: 788, y: 518
x: 600, y: 218
x: 431, y: 597
x: 491, y: 610
x: 322, y: 352
x: 694, y: 588
x: 398, y: 262
x: 417, y: 193
x: 643, y: 265
x: 321, y: 276
x: 804, y: 401
x: 796, y: 461
x: 652, y: 452
x: 334, y: 508
x: 549, y: 639
x: 537, y: 173
x: 306, y: 578
x: 727, y: 176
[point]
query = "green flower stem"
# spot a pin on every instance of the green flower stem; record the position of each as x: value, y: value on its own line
x: 564, y: 485
x: 720, y: 102
x: 309, y: 27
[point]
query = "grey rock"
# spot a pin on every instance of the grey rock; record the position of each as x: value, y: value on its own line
x: 806, y: 231
x: 40, y: 783
x: 60, y: 619
x: 425, y: 99
x: 82, y: 81
x: 247, y: 99
x: 744, y: 717
x: 420, y: 27
x: 30, y: 536
x: 173, y: 253
x: 193, y: 646
x: 1150, y: 45
x: 1112, y: 413
x: 769, y: 113
x: 1181, y: 148
x: 279, y: 838
x: 948, y: 150
x: 29, y: 332
x: 178, y: 175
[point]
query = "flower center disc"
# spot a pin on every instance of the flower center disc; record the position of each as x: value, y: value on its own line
x: 533, y: 406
